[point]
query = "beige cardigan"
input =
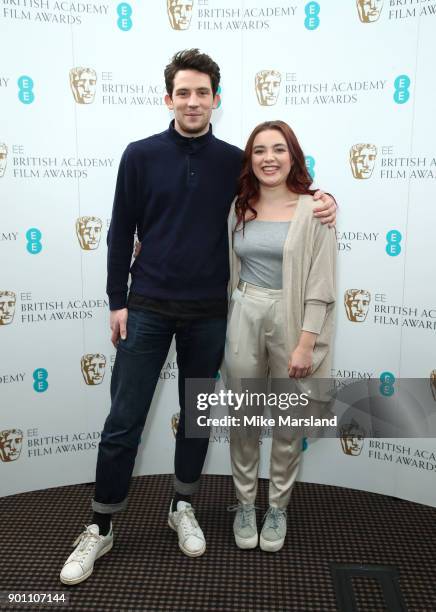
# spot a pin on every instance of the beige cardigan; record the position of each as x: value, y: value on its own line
x: 309, y: 270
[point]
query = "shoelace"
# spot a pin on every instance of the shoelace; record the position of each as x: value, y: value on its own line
x: 85, y: 542
x: 246, y: 512
x: 188, y: 521
x: 275, y: 515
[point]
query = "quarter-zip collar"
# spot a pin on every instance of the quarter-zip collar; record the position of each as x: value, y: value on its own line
x: 193, y: 143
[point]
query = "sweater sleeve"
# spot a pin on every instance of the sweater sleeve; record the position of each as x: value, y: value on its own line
x: 321, y: 283
x: 121, y: 232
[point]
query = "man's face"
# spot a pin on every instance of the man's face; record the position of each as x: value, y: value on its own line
x: 180, y: 13
x: 357, y: 305
x: 3, y: 158
x: 268, y: 87
x: 369, y: 10
x: 89, y: 233
x: 84, y: 85
x: 192, y: 102
x: 7, y: 307
x: 362, y: 161
x: 10, y: 447
x: 352, y: 444
x: 93, y: 369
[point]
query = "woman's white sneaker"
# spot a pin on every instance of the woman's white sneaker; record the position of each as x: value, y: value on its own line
x: 89, y: 547
x: 244, y: 526
x: 191, y: 537
x: 272, y: 536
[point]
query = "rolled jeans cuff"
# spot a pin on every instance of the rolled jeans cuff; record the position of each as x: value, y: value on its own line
x: 185, y: 488
x: 108, y: 508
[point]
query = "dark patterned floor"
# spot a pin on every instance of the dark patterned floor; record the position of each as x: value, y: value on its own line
x: 145, y: 571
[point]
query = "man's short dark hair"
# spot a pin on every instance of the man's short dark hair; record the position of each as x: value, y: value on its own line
x: 192, y: 59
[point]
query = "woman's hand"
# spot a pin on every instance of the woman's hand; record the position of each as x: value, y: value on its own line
x: 300, y: 362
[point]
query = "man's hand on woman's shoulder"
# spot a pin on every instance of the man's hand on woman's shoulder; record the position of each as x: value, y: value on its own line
x: 326, y: 211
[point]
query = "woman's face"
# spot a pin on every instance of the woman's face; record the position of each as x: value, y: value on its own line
x: 270, y: 158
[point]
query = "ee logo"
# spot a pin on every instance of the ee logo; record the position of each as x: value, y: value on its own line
x: 401, y: 86
x: 312, y: 10
x: 393, y: 247
x: 310, y: 165
x: 40, y: 383
x: 34, y: 245
x: 25, y: 90
x: 387, y: 380
x: 218, y: 96
x: 124, y: 12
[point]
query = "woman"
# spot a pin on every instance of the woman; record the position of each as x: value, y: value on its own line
x: 281, y: 311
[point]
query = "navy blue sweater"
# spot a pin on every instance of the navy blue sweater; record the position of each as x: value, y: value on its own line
x: 176, y: 192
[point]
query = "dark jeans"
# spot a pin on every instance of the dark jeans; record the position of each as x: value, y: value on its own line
x: 139, y: 360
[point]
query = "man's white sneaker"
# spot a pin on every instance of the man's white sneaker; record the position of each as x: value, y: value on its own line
x: 89, y: 547
x: 191, y: 538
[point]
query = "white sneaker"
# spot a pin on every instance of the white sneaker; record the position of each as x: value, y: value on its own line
x: 191, y: 538
x: 272, y: 536
x: 244, y: 525
x: 89, y: 547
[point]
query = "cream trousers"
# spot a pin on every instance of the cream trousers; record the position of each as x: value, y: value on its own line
x: 255, y: 349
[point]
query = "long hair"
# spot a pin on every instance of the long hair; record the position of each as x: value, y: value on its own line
x: 298, y: 180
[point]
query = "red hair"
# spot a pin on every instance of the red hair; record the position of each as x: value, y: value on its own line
x: 298, y: 181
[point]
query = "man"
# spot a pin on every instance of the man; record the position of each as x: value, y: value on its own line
x: 175, y: 188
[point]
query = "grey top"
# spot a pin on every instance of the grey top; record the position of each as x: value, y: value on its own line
x: 260, y: 250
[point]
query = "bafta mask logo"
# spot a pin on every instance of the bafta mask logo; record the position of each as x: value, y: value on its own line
x: 83, y: 82
x: 7, y: 307
x: 11, y: 441
x: 175, y: 423
x: 369, y: 10
x: 3, y: 158
x: 357, y: 304
x: 352, y: 439
x: 362, y: 160
x: 433, y: 383
x: 180, y: 13
x: 88, y: 230
x: 267, y: 85
x: 93, y: 368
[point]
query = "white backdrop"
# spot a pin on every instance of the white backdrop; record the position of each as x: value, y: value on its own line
x: 340, y: 74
